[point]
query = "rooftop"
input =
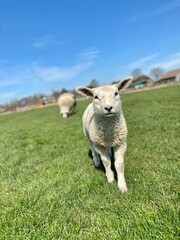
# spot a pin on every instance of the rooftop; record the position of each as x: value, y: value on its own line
x: 171, y: 74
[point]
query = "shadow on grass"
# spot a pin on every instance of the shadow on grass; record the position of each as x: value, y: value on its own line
x: 101, y: 167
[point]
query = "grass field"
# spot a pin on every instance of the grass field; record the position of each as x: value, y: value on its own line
x: 50, y: 189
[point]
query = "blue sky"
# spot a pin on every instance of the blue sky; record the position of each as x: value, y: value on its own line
x: 51, y: 44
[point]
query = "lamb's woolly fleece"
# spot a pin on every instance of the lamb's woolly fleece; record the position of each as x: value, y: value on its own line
x: 66, y: 102
x: 104, y: 131
x: 105, y: 127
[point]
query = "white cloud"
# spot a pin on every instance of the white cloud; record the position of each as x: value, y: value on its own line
x: 3, y: 61
x: 176, y: 55
x: 89, y: 54
x: 54, y: 74
x: 166, y: 7
x: 158, y: 11
x: 171, y: 62
x: 146, y: 64
x: 142, y: 61
x: 7, y: 95
x: 35, y: 73
x: 86, y: 59
x: 8, y: 78
x: 45, y: 41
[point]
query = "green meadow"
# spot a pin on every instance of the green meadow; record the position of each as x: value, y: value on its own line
x: 50, y: 189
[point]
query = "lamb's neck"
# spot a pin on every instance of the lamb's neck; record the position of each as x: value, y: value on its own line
x: 105, y: 130
x: 107, y: 121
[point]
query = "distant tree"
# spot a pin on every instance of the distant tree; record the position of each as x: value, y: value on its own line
x: 63, y: 90
x: 33, y: 99
x: 37, y: 98
x: 114, y: 82
x: 13, y: 103
x: 136, y: 73
x: 22, y: 102
x: 94, y: 83
x: 30, y: 100
x: 157, y: 72
x: 55, y: 94
x: 75, y: 93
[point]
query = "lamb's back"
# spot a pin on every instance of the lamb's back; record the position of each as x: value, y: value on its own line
x: 66, y: 99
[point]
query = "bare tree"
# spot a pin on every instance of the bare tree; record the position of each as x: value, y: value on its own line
x: 157, y: 72
x: 55, y: 94
x: 136, y: 73
x: 63, y: 90
x: 94, y: 83
x: 13, y: 103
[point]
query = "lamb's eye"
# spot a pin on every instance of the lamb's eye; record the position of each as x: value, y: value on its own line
x: 116, y: 93
x: 96, y: 97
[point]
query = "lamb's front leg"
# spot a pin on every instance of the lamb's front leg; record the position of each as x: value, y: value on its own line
x: 106, y: 162
x: 119, y: 165
x: 95, y: 156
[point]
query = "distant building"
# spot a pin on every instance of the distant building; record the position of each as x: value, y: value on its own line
x: 141, y: 81
x: 2, y: 109
x: 44, y: 100
x: 172, y: 76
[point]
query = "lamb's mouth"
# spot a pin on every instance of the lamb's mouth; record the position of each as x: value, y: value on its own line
x: 108, y: 114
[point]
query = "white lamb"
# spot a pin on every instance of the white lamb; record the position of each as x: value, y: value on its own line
x: 105, y: 128
x: 66, y: 103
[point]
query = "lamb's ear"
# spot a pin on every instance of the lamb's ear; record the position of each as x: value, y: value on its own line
x: 124, y: 83
x: 85, y: 91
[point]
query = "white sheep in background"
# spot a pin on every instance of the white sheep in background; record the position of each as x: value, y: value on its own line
x: 67, y: 104
x: 105, y: 128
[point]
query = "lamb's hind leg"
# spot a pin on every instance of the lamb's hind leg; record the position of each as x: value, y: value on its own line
x: 106, y: 162
x: 119, y: 165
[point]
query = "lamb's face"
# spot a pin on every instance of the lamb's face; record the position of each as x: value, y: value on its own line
x: 65, y: 114
x: 106, y: 100
x: 64, y: 111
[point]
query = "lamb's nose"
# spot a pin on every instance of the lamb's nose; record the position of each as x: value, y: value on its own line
x: 108, y: 108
